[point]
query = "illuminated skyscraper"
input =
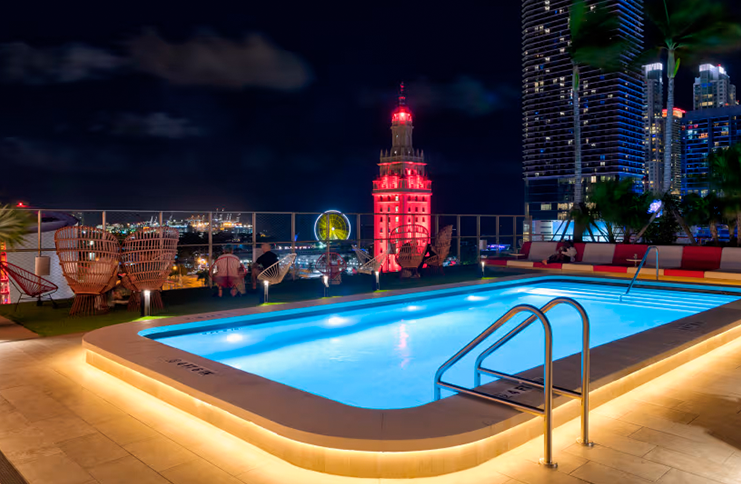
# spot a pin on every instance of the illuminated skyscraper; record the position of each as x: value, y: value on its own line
x: 611, y: 108
x: 402, y: 192
x: 652, y: 124
x: 705, y: 131
x: 713, y: 89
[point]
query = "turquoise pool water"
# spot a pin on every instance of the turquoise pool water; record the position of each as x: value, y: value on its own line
x: 385, y: 356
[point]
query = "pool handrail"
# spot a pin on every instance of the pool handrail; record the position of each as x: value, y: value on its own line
x: 640, y: 266
x: 585, y: 363
x: 546, y: 412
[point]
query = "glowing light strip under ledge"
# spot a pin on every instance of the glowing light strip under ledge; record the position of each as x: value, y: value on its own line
x: 417, y: 463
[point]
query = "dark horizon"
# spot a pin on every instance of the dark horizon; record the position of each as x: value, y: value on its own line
x: 149, y: 106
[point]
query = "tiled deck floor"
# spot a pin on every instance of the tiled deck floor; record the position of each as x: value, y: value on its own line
x: 64, y: 422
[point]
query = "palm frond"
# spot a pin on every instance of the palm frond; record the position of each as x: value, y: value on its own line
x: 695, y: 27
x: 595, y: 39
x: 13, y: 225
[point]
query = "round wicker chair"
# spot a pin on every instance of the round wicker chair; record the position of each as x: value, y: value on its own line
x: 410, y: 243
x: 89, y: 259
x: 148, y: 255
x: 332, y: 266
x: 442, y: 248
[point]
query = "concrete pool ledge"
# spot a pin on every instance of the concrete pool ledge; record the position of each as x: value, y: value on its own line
x: 449, y: 435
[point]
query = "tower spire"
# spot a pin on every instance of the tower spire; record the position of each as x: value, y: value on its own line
x: 402, y: 97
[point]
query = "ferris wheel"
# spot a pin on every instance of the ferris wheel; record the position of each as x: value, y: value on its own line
x: 332, y: 225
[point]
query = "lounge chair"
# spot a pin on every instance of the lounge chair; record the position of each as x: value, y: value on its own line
x: 28, y: 284
x: 275, y: 273
x: 331, y: 265
x: 369, y: 264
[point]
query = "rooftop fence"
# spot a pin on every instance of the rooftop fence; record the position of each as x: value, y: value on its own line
x: 205, y: 234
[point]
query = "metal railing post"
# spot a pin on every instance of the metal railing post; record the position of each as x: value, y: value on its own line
x: 102, y: 223
x: 38, y: 230
x: 357, y: 230
x: 497, y: 233
x: 478, y: 238
x: 458, y: 229
x: 326, y: 240
x: 210, y: 246
x: 514, y: 232
x: 161, y: 219
x: 254, y: 236
x: 293, y: 232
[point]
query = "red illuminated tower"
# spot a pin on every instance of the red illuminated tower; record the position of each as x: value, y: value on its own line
x: 402, y: 192
x: 4, y: 282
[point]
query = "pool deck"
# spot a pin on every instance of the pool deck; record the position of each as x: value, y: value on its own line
x: 65, y: 422
x: 438, y: 438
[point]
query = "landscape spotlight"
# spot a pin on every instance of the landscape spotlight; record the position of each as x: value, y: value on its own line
x: 146, y: 301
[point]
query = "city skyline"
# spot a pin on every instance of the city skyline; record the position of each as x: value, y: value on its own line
x: 610, y: 107
x: 99, y: 131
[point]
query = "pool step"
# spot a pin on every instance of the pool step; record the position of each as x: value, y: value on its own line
x: 640, y: 297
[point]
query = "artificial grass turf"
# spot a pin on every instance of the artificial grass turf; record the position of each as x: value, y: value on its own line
x: 46, y: 321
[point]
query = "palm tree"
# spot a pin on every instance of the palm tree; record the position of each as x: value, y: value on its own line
x: 690, y: 28
x: 724, y: 168
x: 701, y: 211
x: 620, y: 207
x: 594, y: 43
x: 13, y: 225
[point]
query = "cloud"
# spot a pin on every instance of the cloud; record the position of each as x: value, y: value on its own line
x: 153, y: 125
x: 44, y: 156
x: 22, y: 63
x: 466, y: 95
x: 215, y: 61
x: 205, y: 60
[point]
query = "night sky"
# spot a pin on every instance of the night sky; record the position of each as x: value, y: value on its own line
x: 140, y: 105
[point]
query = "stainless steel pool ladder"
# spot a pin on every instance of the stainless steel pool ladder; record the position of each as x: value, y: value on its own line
x: 640, y: 266
x: 547, y: 386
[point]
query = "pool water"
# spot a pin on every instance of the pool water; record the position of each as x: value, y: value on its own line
x: 386, y: 356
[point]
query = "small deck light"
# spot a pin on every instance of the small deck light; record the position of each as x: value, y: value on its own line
x: 378, y: 281
x: 146, y: 301
x: 267, y: 287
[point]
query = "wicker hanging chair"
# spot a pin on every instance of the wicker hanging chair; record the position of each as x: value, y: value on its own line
x: 89, y: 258
x: 147, y: 258
x: 442, y: 248
x: 410, y: 243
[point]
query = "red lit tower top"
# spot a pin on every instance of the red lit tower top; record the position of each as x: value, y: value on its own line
x: 402, y: 192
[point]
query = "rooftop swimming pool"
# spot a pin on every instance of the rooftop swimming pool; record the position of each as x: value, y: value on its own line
x: 384, y: 354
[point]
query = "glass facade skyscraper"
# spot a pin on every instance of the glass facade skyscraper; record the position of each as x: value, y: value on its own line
x: 611, y: 108
x: 713, y: 89
x: 706, y: 130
